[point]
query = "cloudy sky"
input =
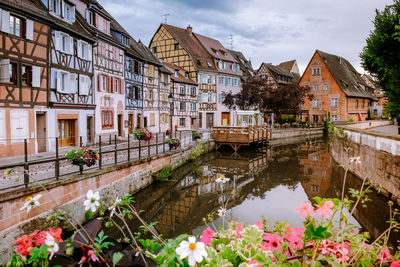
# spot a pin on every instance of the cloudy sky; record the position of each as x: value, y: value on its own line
x: 264, y: 30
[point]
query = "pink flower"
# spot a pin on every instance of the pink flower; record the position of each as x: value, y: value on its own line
x: 208, y: 234
x: 272, y: 242
x: 384, y: 255
x: 305, y: 210
x: 395, y: 264
x: 239, y: 229
x: 260, y: 225
x: 325, y: 209
x: 295, y: 238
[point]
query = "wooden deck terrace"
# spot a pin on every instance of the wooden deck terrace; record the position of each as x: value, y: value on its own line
x: 240, y: 136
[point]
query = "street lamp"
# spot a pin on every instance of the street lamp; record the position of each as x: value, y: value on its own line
x: 171, y: 109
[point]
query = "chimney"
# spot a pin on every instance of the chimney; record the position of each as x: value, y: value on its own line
x: 189, y: 30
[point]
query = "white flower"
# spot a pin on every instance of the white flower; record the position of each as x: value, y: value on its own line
x: 221, y: 212
x: 222, y: 179
x: 30, y: 203
x: 92, y: 201
x: 195, y: 251
x: 114, y: 205
x: 355, y: 160
x: 51, y: 244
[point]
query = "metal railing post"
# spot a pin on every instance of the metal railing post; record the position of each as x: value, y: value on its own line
x: 26, y: 166
x: 148, y: 149
x: 100, y: 155
x: 57, y: 162
x: 109, y: 140
x: 115, y: 152
x: 80, y: 145
x: 180, y: 138
x: 129, y: 149
x: 157, y: 145
x: 140, y: 149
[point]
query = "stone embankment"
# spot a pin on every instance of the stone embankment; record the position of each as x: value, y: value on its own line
x: 379, y: 156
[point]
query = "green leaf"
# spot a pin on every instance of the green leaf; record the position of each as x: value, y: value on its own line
x: 318, y: 200
x: 117, y: 256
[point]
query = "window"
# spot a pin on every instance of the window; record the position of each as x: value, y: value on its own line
x: 26, y: 75
x: 176, y: 46
x: 155, y: 49
x: 163, y: 118
x: 13, y: 72
x: 221, y: 98
x: 221, y: 80
x: 150, y: 95
x: 164, y: 97
x: 228, y: 81
x: 237, y: 67
x: 66, y: 44
x: 363, y: 104
x: 116, y: 85
x: 182, y: 122
x: 357, y: 103
x: 136, y: 93
x: 263, y: 76
x: 316, y: 71
x: 182, y: 90
x: 64, y: 81
x: 334, y: 102
x: 233, y: 66
x: 90, y: 17
x: 17, y: 26
x: 182, y: 106
x: 334, y: 117
x: 315, y: 103
x: 55, y: 6
x: 176, y: 73
x: 220, y: 64
x: 224, y: 65
x: 209, y: 64
x: 316, y: 87
x: 84, y: 50
x: 209, y: 79
x: 193, y: 91
x: 107, y: 119
x: 192, y: 106
x: 187, y: 75
x: 325, y: 87
x: 314, y: 188
x: 67, y: 12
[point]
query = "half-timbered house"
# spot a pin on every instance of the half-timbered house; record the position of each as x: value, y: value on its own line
x: 71, y: 94
x: 181, y: 47
x: 164, y: 107
x: 23, y: 78
x: 185, y: 95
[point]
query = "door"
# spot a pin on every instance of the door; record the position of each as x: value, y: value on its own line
x: 89, y: 129
x: 209, y: 120
x: 225, y: 119
x: 200, y: 120
x: 66, y: 132
x: 131, y: 123
x: 41, y: 132
x: 119, y: 125
x: 138, y: 121
x: 145, y: 122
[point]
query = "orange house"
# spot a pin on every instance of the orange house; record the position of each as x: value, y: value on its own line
x: 339, y: 91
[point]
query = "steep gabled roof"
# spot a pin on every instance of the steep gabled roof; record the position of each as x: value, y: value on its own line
x: 345, y: 75
x: 181, y: 73
x: 245, y: 65
x: 213, y: 46
x: 148, y: 55
x: 287, y: 65
x: 200, y: 57
x: 277, y: 70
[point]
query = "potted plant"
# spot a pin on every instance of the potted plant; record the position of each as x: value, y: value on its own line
x: 83, y: 156
x: 173, y: 143
x: 143, y: 134
x: 196, y: 135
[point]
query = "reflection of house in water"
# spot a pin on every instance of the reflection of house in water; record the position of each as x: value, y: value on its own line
x: 317, y: 173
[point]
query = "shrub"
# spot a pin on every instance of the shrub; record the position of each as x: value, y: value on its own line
x: 164, y: 174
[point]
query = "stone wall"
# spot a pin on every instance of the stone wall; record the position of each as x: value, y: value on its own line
x: 294, y: 132
x: 69, y: 193
x: 377, y: 163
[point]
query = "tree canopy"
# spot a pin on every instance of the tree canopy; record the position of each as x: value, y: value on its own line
x: 259, y: 94
x: 381, y: 55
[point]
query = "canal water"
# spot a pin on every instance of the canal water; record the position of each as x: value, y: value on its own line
x: 269, y: 184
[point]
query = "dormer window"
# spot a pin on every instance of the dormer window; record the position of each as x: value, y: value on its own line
x: 176, y: 46
x: 198, y: 62
x: 62, y: 9
x: 233, y: 66
x: 176, y: 73
x: 90, y: 17
x: 187, y: 75
x: 217, y: 52
x: 209, y: 63
x: 220, y: 64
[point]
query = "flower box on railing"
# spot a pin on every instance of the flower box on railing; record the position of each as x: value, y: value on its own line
x: 83, y: 156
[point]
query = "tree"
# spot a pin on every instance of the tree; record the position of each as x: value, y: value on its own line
x: 259, y: 94
x: 381, y: 55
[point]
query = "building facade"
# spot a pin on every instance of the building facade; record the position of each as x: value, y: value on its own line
x: 185, y: 106
x: 339, y: 91
x: 181, y: 47
x: 24, y: 30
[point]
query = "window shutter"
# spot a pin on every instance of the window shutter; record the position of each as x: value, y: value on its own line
x: 51, y: 6
x: 213, y: 98
x: 121, y: 90
x: 59, y: 86
x: 79, y: 47
x: 73, y: 83
x: 4, y: 70
x: 212, y: 79
x: 2, y: 127
x: 87, y: 15
x: 73, y: 14
x: 83, y: 85
x: 57, y: 40
x: 29, y: 29
x: 19, y: 123
x: 71, y: 45
x: 5, y: 21
x: 35, y: 76
x: 98, y: 82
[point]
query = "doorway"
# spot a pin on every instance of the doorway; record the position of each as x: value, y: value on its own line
x: 66, y: 132
x: 200, y: 120
x: 225, y: 119
x: 89, y: 129
x: 41, y: 132
x: 138, y: 121
x: 131, y: 123
x: 120, y: 133
x: 209, y: 120
x: 145, y: 122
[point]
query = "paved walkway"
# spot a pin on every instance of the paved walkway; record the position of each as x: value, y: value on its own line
x: 387, y: 130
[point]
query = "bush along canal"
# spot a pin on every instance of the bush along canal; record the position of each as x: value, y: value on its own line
x: 286, y: 205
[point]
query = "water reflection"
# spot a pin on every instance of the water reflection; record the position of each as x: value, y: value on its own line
x: 269, y: 184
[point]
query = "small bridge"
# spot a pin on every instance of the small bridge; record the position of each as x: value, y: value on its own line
x: 237, y: 137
